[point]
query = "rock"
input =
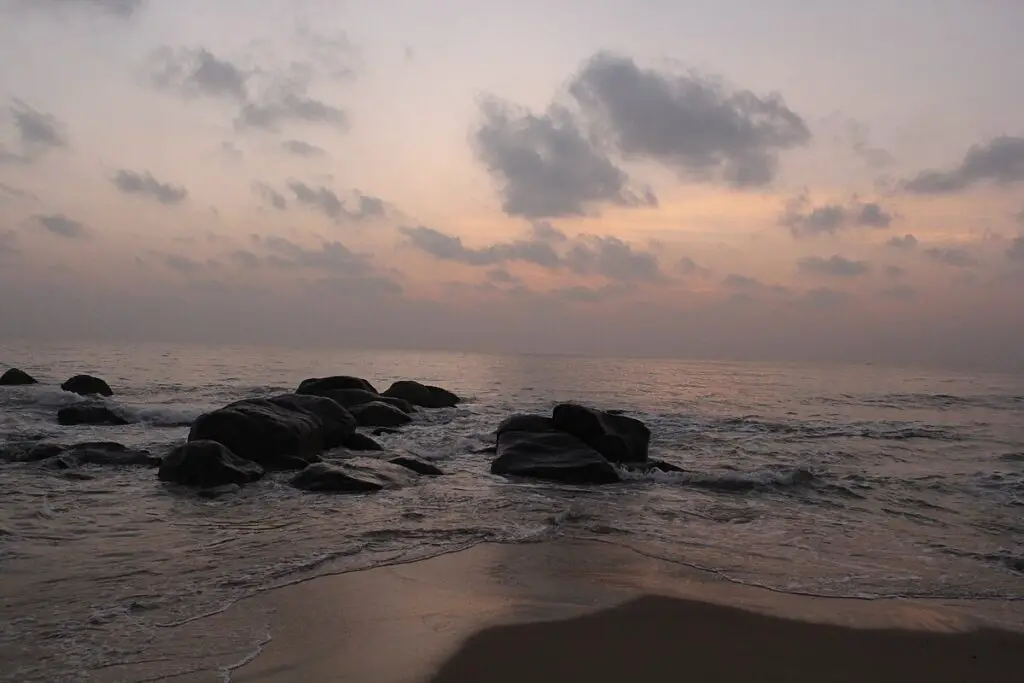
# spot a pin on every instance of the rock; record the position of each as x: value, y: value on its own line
x: 87, y: 385
x: 618, y: 438
x: 86, y: 414
x: 207, y: 464
x: 361, y: 442
x: 354, y: 475
x: 379, y: 414
x: 102, y: 453
x: 29, y: 452
x: 526, y: 423
x: 350, y: 398
x: 16, y: 378
x: 219, y: 491
x: 283, y: 432
x: 552, y: 455
x: 422, y: 395
x: 319, y: 385
x: 417, y: 465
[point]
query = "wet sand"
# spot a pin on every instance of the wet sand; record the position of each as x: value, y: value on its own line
x: 596, y: 612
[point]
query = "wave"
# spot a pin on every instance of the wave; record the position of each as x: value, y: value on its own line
x: 938, y: 401
x: 893, y: 431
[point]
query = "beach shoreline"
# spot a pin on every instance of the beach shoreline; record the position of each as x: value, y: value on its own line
x: 598, y: 611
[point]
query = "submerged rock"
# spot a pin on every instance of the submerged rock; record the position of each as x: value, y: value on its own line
x: 379, y: 414
x: 15, y: 378
x: 319, y: 385
x: 104, y: 453
x: 353, y: 475
x: 283, y: 432
x: 417, y: 465
x: 422, y: 395
x: 87, y: 385
x: 618, y: 438
x: 86, y: 414
x: 207, y: 465
x: 553, y: 455
x: 29, y: 451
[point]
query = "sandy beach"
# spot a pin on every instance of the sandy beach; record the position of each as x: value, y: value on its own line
x: 596, y: 612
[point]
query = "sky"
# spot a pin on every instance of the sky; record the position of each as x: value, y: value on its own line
x: 737, y: 179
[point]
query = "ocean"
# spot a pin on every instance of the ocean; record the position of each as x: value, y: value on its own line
x: 851, y: 481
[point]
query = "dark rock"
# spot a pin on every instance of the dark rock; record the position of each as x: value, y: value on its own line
x: 485, y: 450
x: 361, y: 442
x: 86, y: 414
x: 618, y: 438
x: 219, y: 491
x: 102, y: 453
x: 207, y: 464
x: 526, y: 423
x: 417, y: 465
x: 350, y: 398
x: 379, y: 414
x: 87, y: 385
x: 319, y: 385
x: 278, y: 433
x: 422, y: 395
x: 354, y: 475
x: 29, y: 452
x: 552, y: 455
x: 15, y: 378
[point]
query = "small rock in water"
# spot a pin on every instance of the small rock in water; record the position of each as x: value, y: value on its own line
x: 15, y: 377
x: 379, y: 414
x: 422, y: 395
x: 87, y: 385
x: 418, y: 465
x: 354, y: 475
x: 319, y: 385
x: 85, y: 414
x: 208, y: 465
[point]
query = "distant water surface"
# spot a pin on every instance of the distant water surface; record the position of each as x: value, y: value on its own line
x: 860, y: 481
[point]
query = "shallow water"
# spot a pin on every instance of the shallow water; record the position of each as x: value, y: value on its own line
x: 848, y: 481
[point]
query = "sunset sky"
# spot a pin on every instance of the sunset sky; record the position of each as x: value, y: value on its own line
x: 763, y: 179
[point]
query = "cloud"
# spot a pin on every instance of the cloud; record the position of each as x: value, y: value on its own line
x: 694, y: 124
x: 15, y: 192
x: 955, y: 256
x: 450, y: 248
x: 834, y: 266
x: 894, y: 272
x: 195, y: 72
x: 368, y: 206
x: 144, y: 184
x: 333, y: 257
x: 687, y: 266
x: 182, y: 264
x: 875, y: 157
x: 502, y: 276
x: 546, y: 165
x: 804, y: 220
x: 545, y: 232
x: 303, y: 149
x: 8, y: 242
x: 272, y: 196
x: 826, y: 297
x: 1000, y: 161
x: 124, y: 9
x: 903, y: 292
x: 36, y: 131
x: 289, y: 106
x: 62, y: 226
x: 742, y: 282
x: 1015, y: 252
x: 906, y: 242
x: 614, y: 259
x: 582, y: 294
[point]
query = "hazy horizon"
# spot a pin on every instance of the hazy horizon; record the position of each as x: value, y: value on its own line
x: 730, y: 180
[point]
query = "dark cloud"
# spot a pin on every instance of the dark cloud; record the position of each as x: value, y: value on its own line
x: 614, y: 259
x: 546, y: 164
x: 805, y: 220
x: 906, y: 242
x: 894, y: 272
x: 999, y: 161
x: 36, y: 133
x: 144, y: 184
x: 544, y: 231
x: 182, y: 264
x: 14, y: 192
x: 694, y: 124
x: 834, y: 266
x: 62, y: 226
x: 194, y: 72
x: 367, y: 206
x: 502, y: 276
x: 124, y: 9
x: 332, y: 257
x: 826, y: 297
x: 687, y: 266
x: 303, y: 149
x: 272, y: 196
x: 742, y: 282
x: 318, y: 198
x: 289, y: 106
x: 954, y: 256
x: 1015, y: 252
x: 904, y: 292
x: 450, y: 248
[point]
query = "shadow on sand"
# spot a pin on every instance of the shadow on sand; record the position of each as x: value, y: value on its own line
x: 654, y: 639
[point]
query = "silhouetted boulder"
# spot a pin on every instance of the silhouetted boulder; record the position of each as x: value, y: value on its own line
x: 361, y: 442
x: 87, y: 385
x: 379, y: 414
x: 207, y: 464
x: 320, y: 385
x: 618, y: 438
x: 15, y: 377
x: 526, y: 423
x: 422, y: 395
x: 85, y: 414
x: 349, y: 398
x: 353, y: 475
x: 283, y: 432
x: 532, y: 448
x: 417, y: 465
